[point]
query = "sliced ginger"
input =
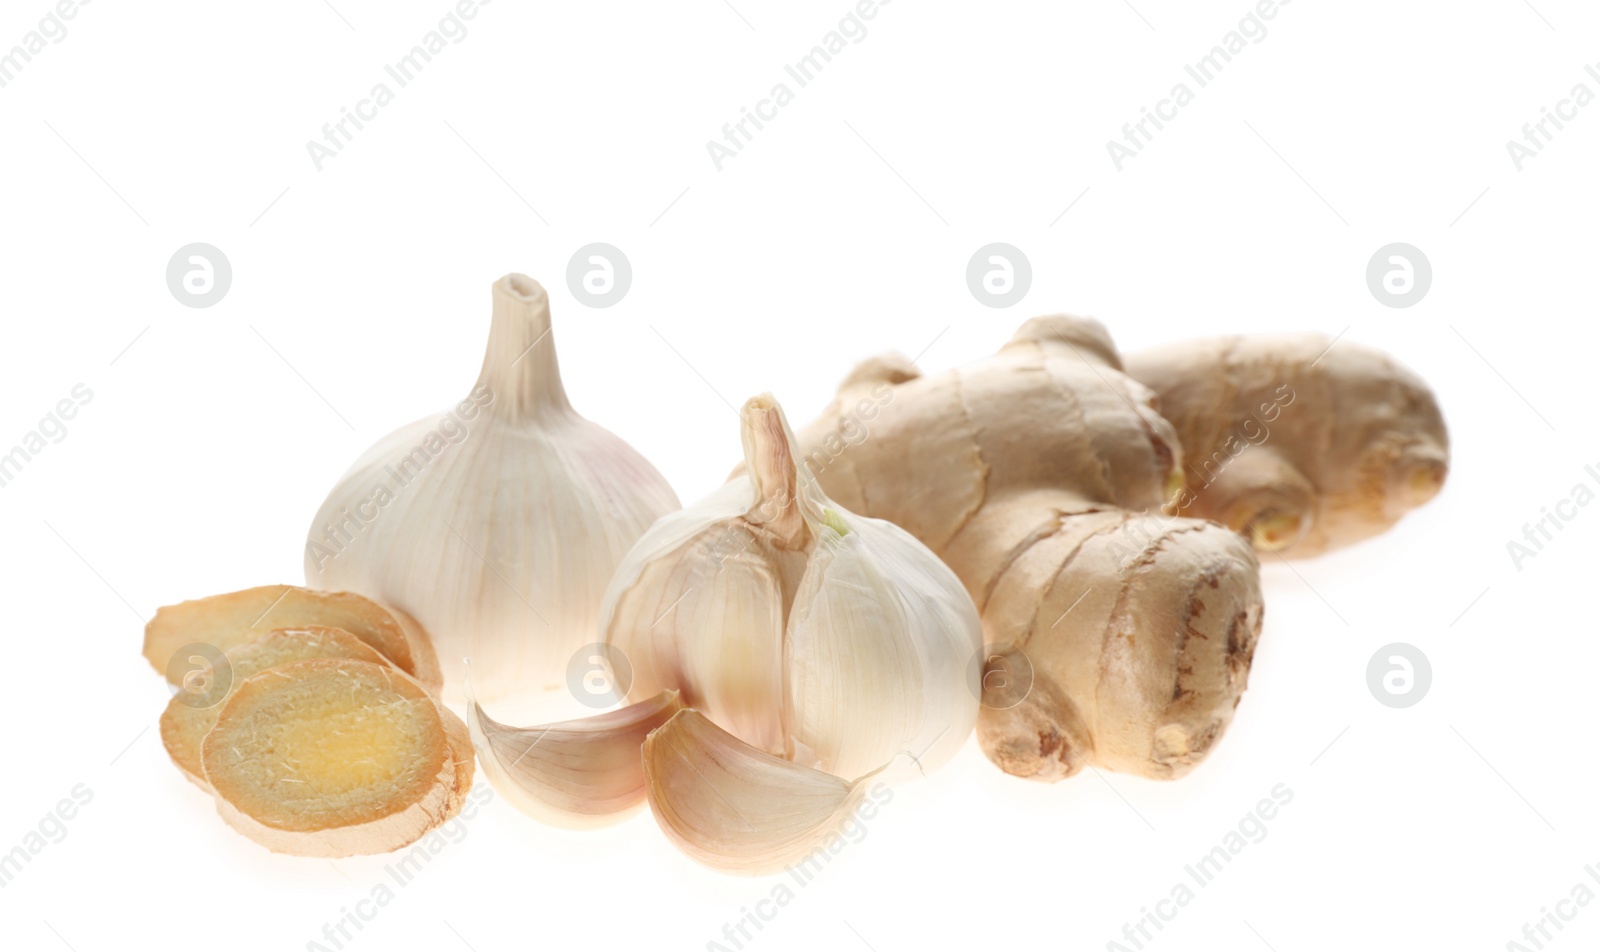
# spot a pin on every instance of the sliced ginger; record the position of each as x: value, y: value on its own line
x: 188, y: 717
x: 226, y: 621
x: 336, y: 757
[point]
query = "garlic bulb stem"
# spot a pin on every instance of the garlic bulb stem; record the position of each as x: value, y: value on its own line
x: 519, y: 365
x: 781, y: 507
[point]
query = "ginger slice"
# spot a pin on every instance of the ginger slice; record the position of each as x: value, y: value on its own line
x: 425, y: 659
x: 189, y: 717
x: 334, y: 757
x: 225, y: 621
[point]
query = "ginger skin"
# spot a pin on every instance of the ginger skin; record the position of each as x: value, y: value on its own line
x: 1116, y: 636
x: 1301, y: 443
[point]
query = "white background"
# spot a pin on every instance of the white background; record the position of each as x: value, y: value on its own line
x: 360, y: 302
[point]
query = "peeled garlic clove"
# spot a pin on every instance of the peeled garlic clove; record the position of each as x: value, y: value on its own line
x: 496, y: 523
x: 226, y: 621
x: 736, y: 808
x: 190, y: 716
x: 577, y: 774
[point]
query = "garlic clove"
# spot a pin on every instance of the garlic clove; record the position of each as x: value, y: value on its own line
x: 577, y: 774
x: 735, y: 808
x: 880, y: 637
x: 719, y: 601
x: 701, y: 602
x: 880, y: 631
x: 226, y: 621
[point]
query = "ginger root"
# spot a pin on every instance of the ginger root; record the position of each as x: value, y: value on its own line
x: 1115, y: 636
x: 1300, y: 442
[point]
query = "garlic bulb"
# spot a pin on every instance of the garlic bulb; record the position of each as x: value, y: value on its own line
x: 831, y: 640
x: 496, y: 523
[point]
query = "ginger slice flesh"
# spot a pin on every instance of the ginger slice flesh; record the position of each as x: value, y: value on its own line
x: 334, y: 757
x: 188, y: 717
x: 226, y: 621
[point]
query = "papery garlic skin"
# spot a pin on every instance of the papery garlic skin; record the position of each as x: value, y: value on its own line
x: 735, y: 808
x: 578, y: 774
x: 879, y: 653
x: 498, y: 523
x: 832, y: 640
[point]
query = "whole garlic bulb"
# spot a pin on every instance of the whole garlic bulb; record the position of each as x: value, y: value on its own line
x: 496, y: 523
x: 832, y: 640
